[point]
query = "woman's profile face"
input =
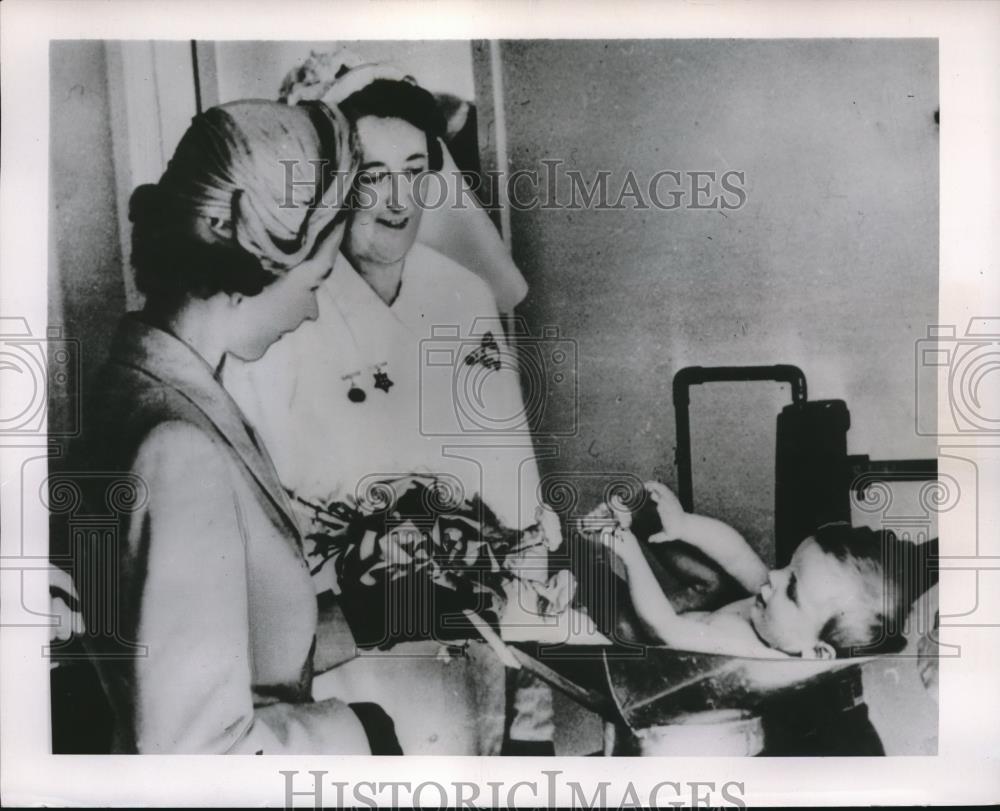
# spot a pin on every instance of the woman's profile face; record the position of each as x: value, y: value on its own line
x: 282, y: 306
x: 394, y: 154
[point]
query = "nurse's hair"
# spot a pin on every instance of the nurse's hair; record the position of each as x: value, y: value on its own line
x: 891, y: 574
x: 390, y: 98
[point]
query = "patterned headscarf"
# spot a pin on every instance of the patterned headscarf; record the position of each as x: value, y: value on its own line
x: 268, y: 176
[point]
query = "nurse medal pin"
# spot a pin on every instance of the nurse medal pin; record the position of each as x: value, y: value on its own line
x: 382, y: 380
x: 355, y: 394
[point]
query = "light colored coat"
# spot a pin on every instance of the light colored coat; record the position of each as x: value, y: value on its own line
x: 208, y: 571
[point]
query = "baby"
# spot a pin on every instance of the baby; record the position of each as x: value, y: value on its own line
x: 834, y: 597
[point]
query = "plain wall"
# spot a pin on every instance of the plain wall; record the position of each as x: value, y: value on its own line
x: 86, y: 285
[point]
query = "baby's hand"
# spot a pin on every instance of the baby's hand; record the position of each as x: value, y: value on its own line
x: 610, y: 518
x: 620, y: 511
x: 549, y: 526
x: 626, y: 545
x: 669, y: 508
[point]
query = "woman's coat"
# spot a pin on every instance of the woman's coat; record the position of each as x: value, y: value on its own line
x: 214, y: 612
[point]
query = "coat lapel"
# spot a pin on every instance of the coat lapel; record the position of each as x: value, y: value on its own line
x: 172, y: 362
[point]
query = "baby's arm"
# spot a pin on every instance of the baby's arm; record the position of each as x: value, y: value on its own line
x: 716, y: 539
x: 721, y: 632
x: 650, y: 603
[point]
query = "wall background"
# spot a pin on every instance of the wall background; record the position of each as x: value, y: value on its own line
x: 86, y: 287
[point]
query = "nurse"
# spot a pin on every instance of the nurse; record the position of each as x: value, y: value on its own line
x: 406, y: 370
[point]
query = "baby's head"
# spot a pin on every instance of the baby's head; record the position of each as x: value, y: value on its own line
x: 841, y: 592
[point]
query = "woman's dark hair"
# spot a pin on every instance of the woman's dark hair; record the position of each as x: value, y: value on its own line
x: 893, y: 574
x: 171, y: 262
x: 389, y: 98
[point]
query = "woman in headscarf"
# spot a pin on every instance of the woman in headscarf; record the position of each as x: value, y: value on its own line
x: 209, y: 645
x: 407, y: 370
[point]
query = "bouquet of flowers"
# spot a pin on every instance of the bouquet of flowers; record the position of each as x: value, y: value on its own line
x: 415, y: 560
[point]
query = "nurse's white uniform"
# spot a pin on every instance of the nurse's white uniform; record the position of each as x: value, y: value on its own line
x: 448, y: 401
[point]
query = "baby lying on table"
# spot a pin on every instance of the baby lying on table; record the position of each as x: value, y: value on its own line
x: 834, y: 597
